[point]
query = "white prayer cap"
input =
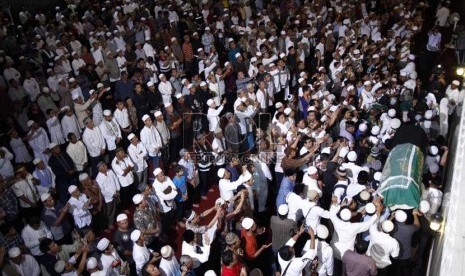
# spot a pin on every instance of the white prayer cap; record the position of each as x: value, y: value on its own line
x: 247, y: 223
x: 14, y: 252
x: 220, y: 172
x: 107, y: 112
x: 375, y: 130
x: 253, y: 59
x: 99, y: 85
x: 322, y: 232
x: 312, y: 170
x: 72, y: 188
x: 135, y: 235
x: 424, y: 206
x: 400, y: 216
x: 345, y: 214
x: 203, y: 83
x: 210, y: 273
x: 370, y: 208
x: 301, y: 80
x: 36, y: 161
x: 75, y: 96
x: 391, y: 112
x: 219, y: 201
x: 166, y: 251
x: 103, y: 244
x: 157, y: 171
x: 247, y: 177
x: 428, y: 114
x: 283, y: 209
x: 287, y: 111
x: 121, y: 217
x: 145, y: 117
x: 352, y: 156
x: 92, y: 262
x: 378, y: 176
x: 44, y: 197
x: 210, y: 102
x: 356, y: 52
x: 137, y: 199
x: 46, y: 90
x: 395, y: 123
x: 130, y: 136
x: 433, y: 150
x: 237, y: 55
x: 161, y: 75
x: 362, y: 127
x: 178, y: 95
x: 158, y: 113
x: 387, y: 226
x: 366, y: 83
x: 456, y: 82
x: 278, y: 105
x: 411, y: 57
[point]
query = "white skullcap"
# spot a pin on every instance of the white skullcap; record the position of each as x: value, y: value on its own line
x: 428, y: 114
x: 157, y: 113
x: 107, y: 112
x: 346, y: 22
x: 220, y: 172
x: 103, y: 244
x: 75, y: 96
x: 367, y: 83
x: 157, y: 171
x: 424, y: 206
x: 352, y: 156
x: 121, y: 217
x: 433, y: 150
x: 253, y: 59
x: 219, y: 201
x: 210, y: 102
x: 312, y: 170
x: 287, y: 111
x: 247, y: 223
x: 370, y: 208
x: 391, y: 112
x: 166, y: 251
x: 375, y: 130
x: 145, y: 117
x: 130, y: 136
x: 345, y: 214
x: 356, y: 52
x: 44, y: 197
x: 395, y: 123
x: 178, y: 96
x: 72, y: 188
x: 411, y: 57
x: 283, y: 209
x: 14, y: 252
x: 36, y: 161
x: 83, y: 176
x: 278, y: 105
x: 210, y: 273
x: 326, y: 150
x: 322, y: 232
x: 247, y: 177
x: 92, y: 263
x: 137, y: 199
x: 301, y: 80
x: 362, y: 127
x: 456, y: 82
x: 387, y: 226
x: 135, y: 235
x: 343, y: 152
x: 400, y: 216
x: 378, y: 176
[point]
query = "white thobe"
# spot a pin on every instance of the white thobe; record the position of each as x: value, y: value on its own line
x: 382, y: 246
x: 296, y: 264
x: 110, y: 131
x: 32, y: 88
x: 227, y: 187
x: 109, y: 184
x: 165, y: 89
x: 151, y: 139
x: 119, y: 166
x: 213, y: 116
x: 20, y: 151
x: 138, y: 153
x: 39, y: 143
x: 82, y: 217
x: 55, y: 130
x: 93, y: 139
x: 166, y: 200
x: 6, y: 168
x: 169, y: 267
x: 78, y: 153
x: 140, y: 255
x: 69, y: 124
x: 32, y: 236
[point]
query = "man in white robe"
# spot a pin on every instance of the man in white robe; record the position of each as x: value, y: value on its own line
x: 38, y: 140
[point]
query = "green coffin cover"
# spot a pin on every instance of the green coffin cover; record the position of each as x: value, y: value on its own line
x: 402, y: 177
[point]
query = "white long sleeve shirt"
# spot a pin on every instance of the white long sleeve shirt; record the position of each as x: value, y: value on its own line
x: 20, y: 151
x: 122, y: 118
x: 227, y: 187
x: 6, y: 168
x: 141, y: 255
x: 324, y: 253
x: 297, y: 264
x: 213, y: 116
x: 314, y: 213
x: 197, y: 258
x: 107, y: 260
x: 93, y: 139
x: 109, y: 185
x: 166, y: 200
x: 39, y: 143
x: 32, y: 88
x: 110, y: 131
x: 138, y: 153
x: 70, y: 124
x: 28, y: 266
x: 165, y: 89
x: 381, y: 247
x: 346, y: 232
x: 82, y: 216
x: 119, y: 166
x: 25, y: 187
x: 55, y: 130
x: 151, y: 139
x: 32, y: 236
x: 78, y: 154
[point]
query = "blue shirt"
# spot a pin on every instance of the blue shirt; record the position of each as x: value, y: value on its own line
x: 180, y: 183
x: 286, y: 187
x: 233, y: 172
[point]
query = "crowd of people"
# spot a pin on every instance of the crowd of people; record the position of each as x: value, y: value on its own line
x: 123, y: 119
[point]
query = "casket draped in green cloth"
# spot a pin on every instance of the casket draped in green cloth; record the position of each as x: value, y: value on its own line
x: 402, y: 177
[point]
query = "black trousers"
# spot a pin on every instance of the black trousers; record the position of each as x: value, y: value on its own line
x: 126, y: 194
x: 401, y: 267
x: 204, y: 177
x: 167, y: 220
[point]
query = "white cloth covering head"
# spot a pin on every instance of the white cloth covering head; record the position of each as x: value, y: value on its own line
x: 247, y: 223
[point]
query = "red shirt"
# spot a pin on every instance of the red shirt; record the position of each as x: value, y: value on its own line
x: 250, y: 244
x: 234, y: 271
